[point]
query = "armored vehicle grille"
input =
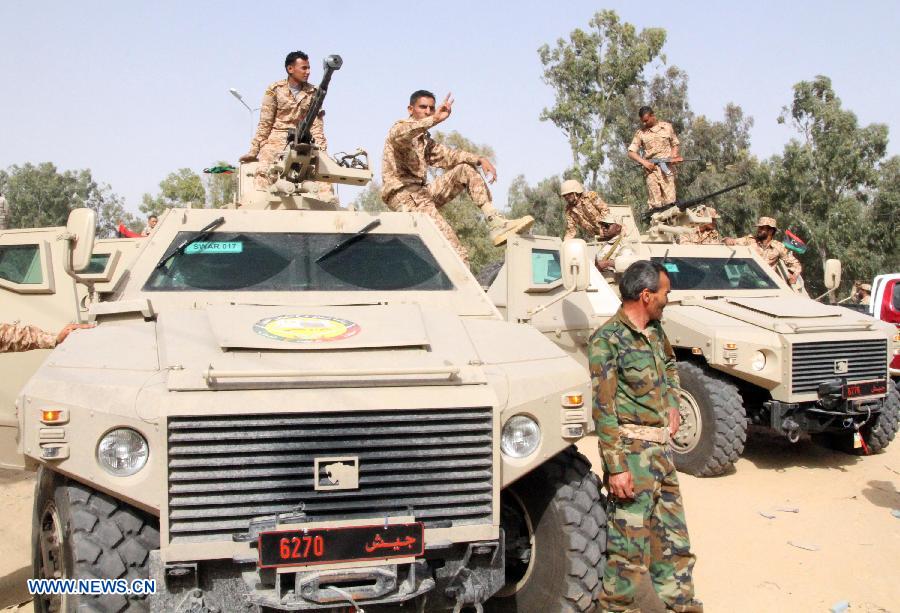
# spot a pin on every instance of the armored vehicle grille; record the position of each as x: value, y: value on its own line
x: 814, y: 363
x: 225, y: 470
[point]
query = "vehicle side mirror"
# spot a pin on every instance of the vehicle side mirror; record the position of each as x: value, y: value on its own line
x: 832, y: 274
x: 82, y: 228
x: 575, y: 264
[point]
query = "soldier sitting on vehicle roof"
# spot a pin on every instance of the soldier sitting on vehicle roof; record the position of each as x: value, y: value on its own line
x: 704, y: 234
x: 771, y: 250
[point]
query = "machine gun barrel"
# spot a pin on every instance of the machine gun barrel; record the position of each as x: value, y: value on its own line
x: 683, y: 204
x: 302, y: 134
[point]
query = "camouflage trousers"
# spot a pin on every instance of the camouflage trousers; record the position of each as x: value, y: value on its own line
x: 268, y: 152
x: 430, y: 198
x: 649, y: 533
x: 660, y: 188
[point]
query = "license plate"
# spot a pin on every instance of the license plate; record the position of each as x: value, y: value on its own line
x: 865, y: 388
x: 346, y: 544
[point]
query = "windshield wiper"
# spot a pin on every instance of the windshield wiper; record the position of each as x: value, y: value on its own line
x: 204, y: 233
x: 338, y: 247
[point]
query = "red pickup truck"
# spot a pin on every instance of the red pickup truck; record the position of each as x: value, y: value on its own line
x: 885, y: 305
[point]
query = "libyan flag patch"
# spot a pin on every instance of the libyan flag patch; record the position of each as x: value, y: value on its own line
x: 219, y: 170
x: 794, y: 242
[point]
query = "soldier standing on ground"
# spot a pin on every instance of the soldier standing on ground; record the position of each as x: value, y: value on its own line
x: 657, y: 139
x: 409, y: 151
x: 15, y: 337
x: 635, y: 409
x: 4, y: 213
x: 769, y: 249
x: 704, y: 234
x: 284, y: 105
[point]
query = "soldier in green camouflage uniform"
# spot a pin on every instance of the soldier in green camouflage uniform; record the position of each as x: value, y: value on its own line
x: 635, y: 410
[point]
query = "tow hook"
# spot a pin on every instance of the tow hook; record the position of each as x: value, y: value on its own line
x: 791, y: 429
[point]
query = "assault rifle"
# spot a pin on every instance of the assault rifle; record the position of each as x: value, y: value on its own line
x: 663, y: 163
x: 684, y: 204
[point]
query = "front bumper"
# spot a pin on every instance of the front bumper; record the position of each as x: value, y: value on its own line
x: 833, y: 411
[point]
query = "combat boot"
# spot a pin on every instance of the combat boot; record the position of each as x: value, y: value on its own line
x: 502, y: 228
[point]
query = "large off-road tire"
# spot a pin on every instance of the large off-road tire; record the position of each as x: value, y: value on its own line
x: 877, y: 434
x: 713, y: 423
x: 554, y: 523
x: 79, y: 533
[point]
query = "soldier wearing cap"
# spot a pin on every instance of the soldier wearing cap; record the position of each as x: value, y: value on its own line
x: 769, y: 249
x: 862, y: 294
x: 657, y: 139
x: 585, y: 211
x: 704, y: 234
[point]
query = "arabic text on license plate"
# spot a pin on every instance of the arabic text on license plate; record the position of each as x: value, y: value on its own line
x: 300, y: 547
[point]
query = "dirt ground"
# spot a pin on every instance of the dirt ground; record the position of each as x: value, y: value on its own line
x: 794, y: 528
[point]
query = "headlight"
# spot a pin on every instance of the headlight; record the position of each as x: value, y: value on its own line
x: 521, y: 436
x: 759, y: 361
x: 122, y: 452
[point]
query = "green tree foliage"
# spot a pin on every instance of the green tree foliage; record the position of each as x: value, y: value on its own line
x: 369, y: 200
x: 825, y: 185
x: 542, y: 202
x: 39, y: 195
x: 180, y: 189
x: 593, y: 74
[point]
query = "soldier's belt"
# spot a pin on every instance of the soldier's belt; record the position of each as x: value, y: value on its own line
x: 645, y: 433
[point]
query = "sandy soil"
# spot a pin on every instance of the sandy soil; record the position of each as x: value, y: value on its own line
x: 831, y: 536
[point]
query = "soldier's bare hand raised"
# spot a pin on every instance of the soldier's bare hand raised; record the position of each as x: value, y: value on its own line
x: 444, y: 110
x: 490, y: 172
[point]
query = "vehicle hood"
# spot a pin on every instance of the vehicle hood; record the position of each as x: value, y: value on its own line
x: 251, y: 346
x: 780, y: 314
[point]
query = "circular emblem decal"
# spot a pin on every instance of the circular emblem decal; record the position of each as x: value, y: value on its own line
x: 305, y: 328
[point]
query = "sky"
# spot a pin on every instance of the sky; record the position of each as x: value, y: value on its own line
x: 135, y: 90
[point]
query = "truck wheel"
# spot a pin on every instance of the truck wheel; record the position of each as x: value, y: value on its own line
x: 82, y: 534
x: 713, y: 425
x: 555, y: 532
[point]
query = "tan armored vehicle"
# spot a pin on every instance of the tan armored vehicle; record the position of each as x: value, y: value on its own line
x: 289, y: 407
x: 751, y: 348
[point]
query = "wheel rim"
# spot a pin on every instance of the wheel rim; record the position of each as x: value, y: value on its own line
x: 52, y: 561
x: 688, y: 435
x: 520, y: 517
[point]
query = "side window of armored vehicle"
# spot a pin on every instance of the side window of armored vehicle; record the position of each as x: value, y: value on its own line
x: 21, y: 264
x: 715, y: 273
x: 545, y: 268
x: 228, y: 261
x: 97, y: 265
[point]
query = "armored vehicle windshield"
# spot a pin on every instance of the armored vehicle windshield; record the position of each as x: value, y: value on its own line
x: 296, y: 261
x: 716, y: 273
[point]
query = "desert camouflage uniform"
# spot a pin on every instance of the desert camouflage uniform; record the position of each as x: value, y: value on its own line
x: 283, y: 108
x: 4, y: 213
x: 586, y: 214
x: 772, y: 253
x: 657, y: 142
x: 635, y: 381
x: 14, y: 337
x: 408, y: 152
x: 700, y: 237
